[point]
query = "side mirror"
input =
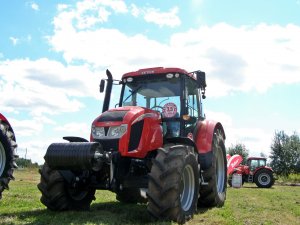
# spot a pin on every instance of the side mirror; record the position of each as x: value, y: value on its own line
x: 201, y: 79
x: 102, y: 84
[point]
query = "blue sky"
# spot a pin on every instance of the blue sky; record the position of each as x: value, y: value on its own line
x: 54, y: 53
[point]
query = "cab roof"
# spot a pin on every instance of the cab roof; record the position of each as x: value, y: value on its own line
x: 158, y: 70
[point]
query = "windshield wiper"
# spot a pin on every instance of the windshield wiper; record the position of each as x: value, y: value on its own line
x: 132, y: 93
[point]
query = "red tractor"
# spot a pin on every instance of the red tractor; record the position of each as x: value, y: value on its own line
x: 255, y: 171
x: 156, y: 146
x: 7, y: 153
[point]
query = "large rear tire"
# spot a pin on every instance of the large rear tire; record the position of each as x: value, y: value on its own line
x: 7, y: 156
x: 173, y: 184
x: 214, y: 192
x: 57, y: 195
x: 130, y: 195
x: 264, y: 178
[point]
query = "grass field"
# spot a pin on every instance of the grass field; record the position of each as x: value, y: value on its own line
x: 248, y: 205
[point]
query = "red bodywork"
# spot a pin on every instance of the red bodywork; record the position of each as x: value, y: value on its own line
x: 3, y: 118
x: 204, y: 134
x: 151, y: 128
x: 152, y: 134
x: 157, y: 70
x: 245, y: 169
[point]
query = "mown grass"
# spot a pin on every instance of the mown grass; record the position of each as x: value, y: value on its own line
x: 248, y: 205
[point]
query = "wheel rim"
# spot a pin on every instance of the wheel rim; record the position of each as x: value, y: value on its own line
x: 264, y: 179
x: 187, y: 188
x: 2, y: 159
x: 220, y: 170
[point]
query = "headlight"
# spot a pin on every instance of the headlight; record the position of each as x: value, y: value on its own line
x: 117, y: 132
x: 98, y: 132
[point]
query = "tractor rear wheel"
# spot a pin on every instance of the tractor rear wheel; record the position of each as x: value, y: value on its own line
x: 264, y: 178
x: 130, y: 195
x: 57, y: 195
x: 214, y: 193
x: 7, y: 156
x: 173, y: 184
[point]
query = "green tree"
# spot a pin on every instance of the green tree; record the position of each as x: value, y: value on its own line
x: 285, y: 153
x: 239, y: 149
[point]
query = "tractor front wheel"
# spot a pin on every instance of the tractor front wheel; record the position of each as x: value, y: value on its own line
x: 57, y: 194
x: 173, y: 184
x: 130, y: 195
x: 214, y: 192
x: 264, y: 178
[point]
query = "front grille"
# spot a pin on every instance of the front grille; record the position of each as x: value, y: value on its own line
x: 109, y: 145
x: 135, y: 135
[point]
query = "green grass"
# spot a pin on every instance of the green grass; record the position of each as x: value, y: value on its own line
x: 247, y: 205
x: 291, y: 179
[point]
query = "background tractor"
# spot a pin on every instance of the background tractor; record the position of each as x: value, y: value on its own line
x: 155, y: 147
x: 7, y: 153
x: 255, y: 171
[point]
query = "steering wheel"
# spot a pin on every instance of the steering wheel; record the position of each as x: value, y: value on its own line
x: 157, y: 106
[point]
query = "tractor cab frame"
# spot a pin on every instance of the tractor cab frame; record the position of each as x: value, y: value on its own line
x: 174, y: 93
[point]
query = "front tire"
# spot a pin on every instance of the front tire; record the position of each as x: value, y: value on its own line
x: 264, y: 178
x: 130, y: 195
x: 173, y: 184
x: 7, y: 156
x: 214, y: 193
x: 57, y: 195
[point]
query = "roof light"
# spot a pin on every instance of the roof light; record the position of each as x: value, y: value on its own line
x: 169, y: 75
x: 129, y: 79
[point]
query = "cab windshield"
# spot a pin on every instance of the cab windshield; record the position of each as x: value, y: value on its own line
x: 157, y: 94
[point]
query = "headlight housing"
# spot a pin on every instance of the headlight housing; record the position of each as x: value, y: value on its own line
x: 98, y: 132
x: 117, y: 131
x: 113, y: 132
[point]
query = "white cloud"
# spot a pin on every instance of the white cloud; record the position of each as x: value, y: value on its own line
x: 61, y: 7
x: 169, y: 19
x: 81, y: 129
x: 255, y: 139
x: 35, y: 6
x: 14, y: 40
x: 43, y: 85
x: 246, y: 58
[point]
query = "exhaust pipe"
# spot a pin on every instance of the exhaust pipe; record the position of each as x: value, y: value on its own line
x: 107, y: 91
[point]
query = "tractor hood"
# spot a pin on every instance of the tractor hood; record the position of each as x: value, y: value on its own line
x: 126, y: 114
x: 127, y: 130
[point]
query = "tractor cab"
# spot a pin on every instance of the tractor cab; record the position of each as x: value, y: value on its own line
x: 173, y: 92
x: 256, y: 162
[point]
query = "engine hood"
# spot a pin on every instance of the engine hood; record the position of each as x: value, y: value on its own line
x: 125, y: 115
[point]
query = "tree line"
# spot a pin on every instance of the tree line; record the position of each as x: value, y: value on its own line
x: 285, y: 153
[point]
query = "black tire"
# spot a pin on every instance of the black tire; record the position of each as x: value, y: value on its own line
x: 7, y: 155
x: 229, y: 181
x: 174, y: 169
x: 264, y: 178
x: 58, y: 196
x: 130, y: 195
x: 214, y: 192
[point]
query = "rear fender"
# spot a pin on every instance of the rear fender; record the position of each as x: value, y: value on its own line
x: 3, y: 118
x: 203, y: 137
x: 204, y: 134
